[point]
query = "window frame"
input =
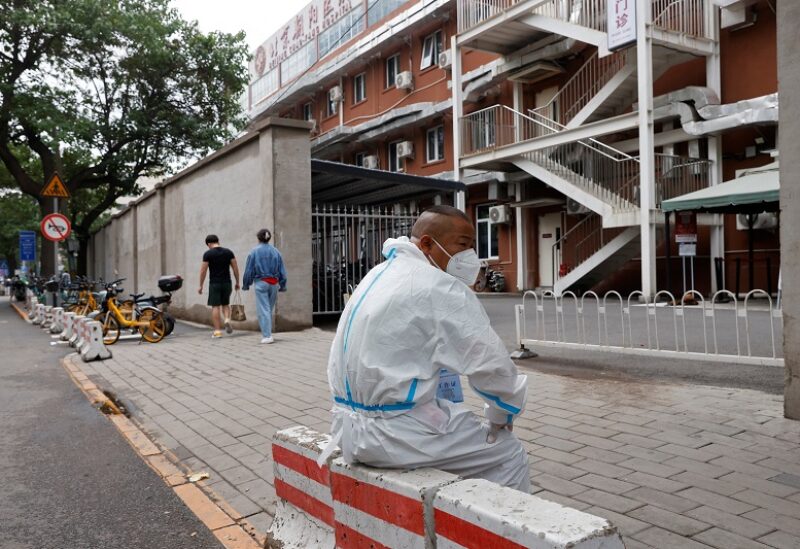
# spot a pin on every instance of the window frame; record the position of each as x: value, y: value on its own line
x: 308, y: 111
x: 358, y: 158
x: 362, y: 78
x: 331, y: 106
x: 394, y: 62
x: 489, y: 228
x: 433, y: 42
x: 439, y: 144
x: 399, y: 166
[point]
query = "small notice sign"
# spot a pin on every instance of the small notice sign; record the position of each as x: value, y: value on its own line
x: 621, y: 23
x: 686, y: 227
x: 55, y: 188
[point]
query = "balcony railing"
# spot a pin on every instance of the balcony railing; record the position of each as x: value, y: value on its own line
x: 682, y: 16
x: 679, y: 175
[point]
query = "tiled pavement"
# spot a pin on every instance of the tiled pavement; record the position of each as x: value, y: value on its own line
x: 672, y: 465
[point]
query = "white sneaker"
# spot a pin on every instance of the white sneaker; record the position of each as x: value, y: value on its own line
x: 267, y: 340
x: 228, y: 327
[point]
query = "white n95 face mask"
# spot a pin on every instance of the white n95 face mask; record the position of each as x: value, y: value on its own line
x: 465, y: 265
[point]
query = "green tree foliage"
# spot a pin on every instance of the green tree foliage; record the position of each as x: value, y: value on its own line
x: 18, y: 212
x: 107, y: 91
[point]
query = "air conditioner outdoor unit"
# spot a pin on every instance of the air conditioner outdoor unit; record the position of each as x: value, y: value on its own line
x: 371, y: 162
x: 405, y: 149
x: 314, y: 126
x: 335, y: 94
x: 764, y: 220
x: 500, y: 214
x: 445, y: 59
x: 576, y: 208
x: 405, y: 80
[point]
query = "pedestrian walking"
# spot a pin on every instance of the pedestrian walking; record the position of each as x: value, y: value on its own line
x: 265, y: 270
x: 219, y: 261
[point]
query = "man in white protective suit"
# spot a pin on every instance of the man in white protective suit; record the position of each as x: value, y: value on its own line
x: 410, y: 317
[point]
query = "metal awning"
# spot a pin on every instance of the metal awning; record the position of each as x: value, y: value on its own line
x: 755, y: 191
x: 336, y: 183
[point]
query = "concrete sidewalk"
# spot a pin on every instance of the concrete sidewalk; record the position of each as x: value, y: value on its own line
x: 672, y: 465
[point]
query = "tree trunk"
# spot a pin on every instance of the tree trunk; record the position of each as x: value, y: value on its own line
x: 83, y: 256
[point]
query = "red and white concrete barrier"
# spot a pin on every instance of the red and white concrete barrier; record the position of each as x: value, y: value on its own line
x: 384, y: 508
x: 304, y: 512
x: 477, y: 513
x: 76, y: 327
x: 93, y: 347
x: 48, y: 317
x: 66, y: 334
x: 58, y: 320
x: 39, y: 316
x: 353, y: 506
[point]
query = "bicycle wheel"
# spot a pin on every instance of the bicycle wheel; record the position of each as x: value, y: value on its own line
x: 156, y: 327
x: 110, y: 329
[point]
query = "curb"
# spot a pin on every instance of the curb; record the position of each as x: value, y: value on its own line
x: 217, y: 516
x: 20, y: 312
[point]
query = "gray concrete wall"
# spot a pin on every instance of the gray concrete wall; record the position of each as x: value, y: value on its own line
x: 789, y: 132
x: 262, y: 180
x: 148, y: 243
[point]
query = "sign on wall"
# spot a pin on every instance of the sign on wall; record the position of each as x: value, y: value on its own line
x: 685, y: 227
x: 317, y: 16
x: 621, y: 23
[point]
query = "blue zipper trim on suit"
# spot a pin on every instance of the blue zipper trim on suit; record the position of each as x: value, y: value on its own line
x: 412, y: 391
x: 349, y: 400
x: 504, y: 405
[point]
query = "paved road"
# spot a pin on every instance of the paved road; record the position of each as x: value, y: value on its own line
x: 68, y: 479
x: 586, y: 364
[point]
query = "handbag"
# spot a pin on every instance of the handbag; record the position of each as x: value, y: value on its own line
x: 237, y: 308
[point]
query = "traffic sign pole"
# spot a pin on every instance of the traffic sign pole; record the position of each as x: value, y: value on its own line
x: 55, y: 244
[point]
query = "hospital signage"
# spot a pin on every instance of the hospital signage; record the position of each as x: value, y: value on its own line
x: 621, y: 23
x: 299, y: 31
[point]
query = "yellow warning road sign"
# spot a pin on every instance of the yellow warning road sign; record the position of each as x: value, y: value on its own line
x: 55, y: 188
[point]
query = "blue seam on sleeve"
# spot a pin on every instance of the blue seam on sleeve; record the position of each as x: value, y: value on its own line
x: 412, y: 391
x: 510, y: 418
x: 505, y: 406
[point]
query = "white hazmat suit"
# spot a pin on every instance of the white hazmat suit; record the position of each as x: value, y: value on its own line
x: 405, y: 322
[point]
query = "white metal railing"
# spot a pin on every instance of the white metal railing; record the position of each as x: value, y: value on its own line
x: 682, y: 16
x: 678, y: 175
x: 582, y: 86
x: 732, y: 332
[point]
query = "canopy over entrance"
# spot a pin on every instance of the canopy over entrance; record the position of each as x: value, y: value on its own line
x: 754, y: 191
x: 336, y: 183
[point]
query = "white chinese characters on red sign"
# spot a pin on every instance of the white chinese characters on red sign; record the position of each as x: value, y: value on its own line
x: 302, y: 28
x: 621, y: 23
x: 56, y: 227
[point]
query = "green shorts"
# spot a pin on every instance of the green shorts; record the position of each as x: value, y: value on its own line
x: 219, y: 293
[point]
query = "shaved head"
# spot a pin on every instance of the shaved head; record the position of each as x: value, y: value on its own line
x: 441, y: 232
x: 438, y: 221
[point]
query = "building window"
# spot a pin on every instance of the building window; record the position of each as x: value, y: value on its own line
x: 486, y: 233
x: 359, y: 88
x: 431, y: 48
x: 343, y: 30
x: 378, y: 9
x: 298, y: 63
x: 308, y: 111
x: 358, y: 160
x: 392, y: 70
x: 435, y: 144
x: 332, y: 105
x: 395, y: 162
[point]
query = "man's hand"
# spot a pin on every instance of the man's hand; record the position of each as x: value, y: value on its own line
x: 237, y: 287
x: 495, y: 428
x: 200, y: 290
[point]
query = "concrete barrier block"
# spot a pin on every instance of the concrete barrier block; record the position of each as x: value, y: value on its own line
x: 39, y: 316
x: 94, y: 348
x: 478, y: 514
x: 304, y: 514
x: 58, y: 320
x: 82, y: 334
x: 67, y: 331
x: 48, y: 317
x: 32, y: 303
x: 384, y: 507
x: 76, y: 326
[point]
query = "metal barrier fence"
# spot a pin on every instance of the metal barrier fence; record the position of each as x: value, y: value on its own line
x: 722, y: 329
x: 346, y: 244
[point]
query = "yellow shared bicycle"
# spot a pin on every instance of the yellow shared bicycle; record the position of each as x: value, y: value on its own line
x: 149, y: 321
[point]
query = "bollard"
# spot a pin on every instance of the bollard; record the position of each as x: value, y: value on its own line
x: 58, y: 321
x: 32, y: 305
x: 66, y: 334
x: 80, y: 332
x: 38, y: 316
x: 48, y: 317
x: 76, y: 323
x: 93, y: 348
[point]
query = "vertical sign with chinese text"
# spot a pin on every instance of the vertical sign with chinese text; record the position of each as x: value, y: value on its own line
x: 621, y: 23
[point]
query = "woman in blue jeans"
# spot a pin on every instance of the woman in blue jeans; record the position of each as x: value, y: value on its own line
x: 265, y: 271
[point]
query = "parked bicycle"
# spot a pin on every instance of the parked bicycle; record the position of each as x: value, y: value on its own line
x: 490, y: 278
x: 149, y: 321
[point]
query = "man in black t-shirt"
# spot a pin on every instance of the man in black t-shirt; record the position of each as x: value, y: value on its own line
x: 219, y: 261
